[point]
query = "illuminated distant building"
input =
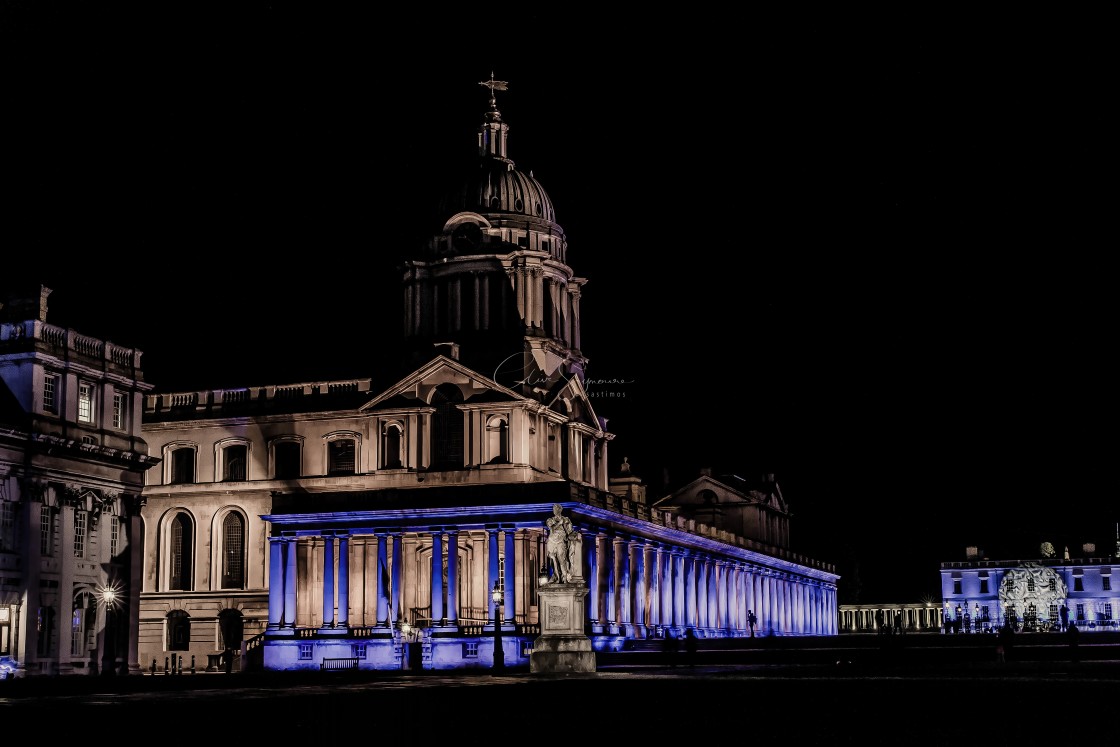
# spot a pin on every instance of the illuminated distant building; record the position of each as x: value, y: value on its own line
x: 1030, y: 594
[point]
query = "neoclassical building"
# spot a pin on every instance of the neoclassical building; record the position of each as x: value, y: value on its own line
x: 72, y: 464
x: 1030, y: 593
x: 399, y: 520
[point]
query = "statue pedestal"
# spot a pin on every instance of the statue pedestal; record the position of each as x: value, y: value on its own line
x: 562, y: 646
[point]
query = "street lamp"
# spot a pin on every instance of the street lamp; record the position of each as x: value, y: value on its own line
x: 499, y: 654
x: 108, y: 596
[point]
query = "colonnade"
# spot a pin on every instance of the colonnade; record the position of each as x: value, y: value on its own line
x: 638, y: 587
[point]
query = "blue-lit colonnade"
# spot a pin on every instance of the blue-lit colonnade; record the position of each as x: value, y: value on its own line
x: 366, y: 573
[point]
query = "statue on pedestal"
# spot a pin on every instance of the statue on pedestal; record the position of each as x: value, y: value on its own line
x: 560, y: 541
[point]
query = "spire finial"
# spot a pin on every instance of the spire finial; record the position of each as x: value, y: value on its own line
x: 494, y: 85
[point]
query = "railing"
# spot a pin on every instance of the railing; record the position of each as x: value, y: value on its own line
x: 216, y: 398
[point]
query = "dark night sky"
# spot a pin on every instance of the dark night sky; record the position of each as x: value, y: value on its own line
x: 855, y: 252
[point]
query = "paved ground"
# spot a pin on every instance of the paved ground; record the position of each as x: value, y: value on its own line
x: 883, y: 699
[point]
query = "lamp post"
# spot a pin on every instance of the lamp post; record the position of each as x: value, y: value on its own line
x: 108, y: 657
x: 499, y: 654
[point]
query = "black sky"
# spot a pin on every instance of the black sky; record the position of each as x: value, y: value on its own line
x: 854, y: 252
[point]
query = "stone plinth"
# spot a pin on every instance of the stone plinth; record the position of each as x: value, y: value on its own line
x: 562, y: 645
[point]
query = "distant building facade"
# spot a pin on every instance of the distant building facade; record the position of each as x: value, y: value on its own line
x: 1034, y: 594
x: 372, y: 523
x: 979, y: 595
x: 72, y: 464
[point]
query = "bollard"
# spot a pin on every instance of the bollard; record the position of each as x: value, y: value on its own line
x: 165, y: 665
x: 153, y: 665
x: 192, y: 663
x: 180, y: 665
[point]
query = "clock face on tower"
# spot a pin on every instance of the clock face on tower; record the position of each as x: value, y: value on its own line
x: 466, y: 237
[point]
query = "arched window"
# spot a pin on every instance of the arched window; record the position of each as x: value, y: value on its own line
x: 497, y: 439
x: 447, y: 428
x: 180, y: 565
x: 233, y: 552
x: 83, y: 626
x: 392, y: 439
x: 231, y: 627
x: 178, y: 631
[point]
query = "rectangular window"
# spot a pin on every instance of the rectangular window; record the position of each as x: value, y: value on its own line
x: 79, y: 534
x: 85, y: 403
x: 1081, y: 612
x: 118, y: 411
x: 983, y: 586
x: 1053, y: 584
x: 1106, y: 611
x: 956, y: 586
x: 46, y: 531
x: 305, y: 650
x: 1030, y: 583
x: 50, y: 394
x: 470, y: 650
x: 1078, y: 583
x: 358, y: 650
x: 182, y: 466
x: 287, y: 456
x: 114, y: 535
x: 7, y: 526
x: 1106, y: 583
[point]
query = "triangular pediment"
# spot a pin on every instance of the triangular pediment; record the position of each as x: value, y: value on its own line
x: 569, y: 398
x: 416, y: 388
x: 709, y: 491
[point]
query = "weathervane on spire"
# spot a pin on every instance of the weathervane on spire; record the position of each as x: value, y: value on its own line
x: 494, y: 85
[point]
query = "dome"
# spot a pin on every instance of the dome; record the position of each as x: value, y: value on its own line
x: 497, y: 189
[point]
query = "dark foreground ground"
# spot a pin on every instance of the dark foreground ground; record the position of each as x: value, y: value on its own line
x: 922, y: 690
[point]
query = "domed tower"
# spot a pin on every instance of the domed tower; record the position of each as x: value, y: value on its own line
x: 492, y: 284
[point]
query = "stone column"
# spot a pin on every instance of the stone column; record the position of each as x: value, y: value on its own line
x: 595, y: 610
x: 343, y: 582
x: 328, y: 582
x: 276, y: 588
x: 290, y: 575
x: 509, y: 608
x: 383, y: 583
x: 492, y: 573
x: 622, y: 552
x: 678, y: 589
x: 396, y: 598
x: 638, y: 585
x: 690, y: 596
x: 436, y: 585
x: 453, y: 576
